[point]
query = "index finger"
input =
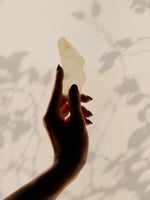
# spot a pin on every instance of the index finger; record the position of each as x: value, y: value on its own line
x: 53, y: 106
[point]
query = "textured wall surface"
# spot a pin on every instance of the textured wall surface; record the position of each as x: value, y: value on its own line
x: 114, y: 38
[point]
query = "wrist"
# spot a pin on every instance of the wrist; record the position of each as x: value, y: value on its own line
x: 68, y: 170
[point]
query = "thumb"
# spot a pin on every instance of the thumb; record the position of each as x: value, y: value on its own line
x: 74, y: 102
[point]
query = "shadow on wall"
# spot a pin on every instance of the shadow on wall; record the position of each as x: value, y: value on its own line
x: 133, y: 170
x: 13, y: 82
x: 131, y: 177
x: 10, y: 78
x: 140, y: 6
x: 94, y: 12
x: 17, y: 101
x: 132, y: 167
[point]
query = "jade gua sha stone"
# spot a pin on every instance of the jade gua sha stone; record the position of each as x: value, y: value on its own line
x: 72, y: 63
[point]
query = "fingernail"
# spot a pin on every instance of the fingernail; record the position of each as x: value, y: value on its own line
x: 58, y: 67
x: 90, y: 97
x: 89, y: 121
x: 90, y: 113
x: 74, y: 88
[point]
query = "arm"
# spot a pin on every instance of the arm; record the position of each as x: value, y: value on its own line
x: 69, y: 139
x: 46, y: 186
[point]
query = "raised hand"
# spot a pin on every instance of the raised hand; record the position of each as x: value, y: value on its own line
x: 68, y: 134
x: 69, y: 139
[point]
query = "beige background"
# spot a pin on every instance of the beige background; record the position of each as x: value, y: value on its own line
x: 114, y: 38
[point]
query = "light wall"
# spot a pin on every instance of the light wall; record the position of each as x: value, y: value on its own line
x: 114, y: 38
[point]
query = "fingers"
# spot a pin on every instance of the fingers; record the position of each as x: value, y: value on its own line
x: 77, y: 111
x: 87, y: 121
x: 63, y: 102
x: 55, y: 101
x: 74, y: 103
x: 86, y: 113
x: 65, y: 111
x: 85, y: 98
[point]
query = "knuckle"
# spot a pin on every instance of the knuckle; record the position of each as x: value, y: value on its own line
x: 44, y: 120
x: 79, y: 122
x: 82, y: 122
x: 81, y: 119
x: 47, y: 118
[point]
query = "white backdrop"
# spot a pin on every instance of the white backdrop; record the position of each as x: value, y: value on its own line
x: 114, y: 38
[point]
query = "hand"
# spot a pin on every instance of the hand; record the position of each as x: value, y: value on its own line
x: 70, y: 143
x: 68, y: 135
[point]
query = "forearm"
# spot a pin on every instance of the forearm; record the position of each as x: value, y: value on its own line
x: 46, y: 186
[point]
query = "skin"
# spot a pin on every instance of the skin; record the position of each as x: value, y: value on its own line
x: 69, y: 139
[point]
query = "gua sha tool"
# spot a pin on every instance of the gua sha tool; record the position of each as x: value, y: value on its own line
x: 72, y: 63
